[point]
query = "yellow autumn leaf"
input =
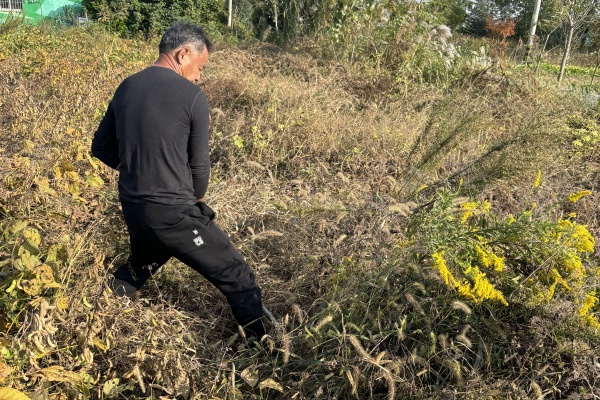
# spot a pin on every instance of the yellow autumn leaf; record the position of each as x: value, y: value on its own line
x: 58, y: 172
x: 86, y: 302
x: 92, y: 161
x: 73, y: 188
x: 63, y: 168
x: 32, y: 236
x: 43, y: 186
x: 7, y: 393
x: 18, y: 226
x: 27, y: 261
x: 80, y: 152
x: 62, y: 303
x: 94, y: 180
x: 270, y: 384
x: 32, y: 287
x: 57, y: 373
x: 100, y: 344
x: 250, y: 376
x: 46, y: 276
x: 109, y: 385
x: 73, y: 175
x: 57, y: 253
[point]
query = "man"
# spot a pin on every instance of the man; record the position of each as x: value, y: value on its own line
x: 155, y: 133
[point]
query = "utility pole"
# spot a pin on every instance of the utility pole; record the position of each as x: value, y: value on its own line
x: 532, y: 27
x: 230, y: 14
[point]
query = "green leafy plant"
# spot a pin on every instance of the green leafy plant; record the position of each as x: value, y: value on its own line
x: 526, y: 258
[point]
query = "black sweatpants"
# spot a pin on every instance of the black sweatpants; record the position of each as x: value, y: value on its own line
x: 190, y: 234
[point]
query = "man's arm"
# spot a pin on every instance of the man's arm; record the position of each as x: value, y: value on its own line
x: 198, y: 150
x: 104, y: 144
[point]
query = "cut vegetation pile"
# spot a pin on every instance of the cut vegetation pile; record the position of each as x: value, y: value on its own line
x: 412, y: 241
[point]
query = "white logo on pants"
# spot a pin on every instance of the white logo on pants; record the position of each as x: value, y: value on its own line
x: 198, y: 240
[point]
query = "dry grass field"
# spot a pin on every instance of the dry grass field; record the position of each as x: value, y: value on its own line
x: 413, y: 240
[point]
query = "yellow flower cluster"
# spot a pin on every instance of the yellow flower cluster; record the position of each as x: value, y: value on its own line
x: 468, y: 209
x: 481, y: 289
x: 488, y: 259
x: 471, y: 207
x: 589, y: 303
x: 556, y: 280
x: 580, y: 238
x: 536, y: 183
x: 440, y: 264
x: 574, y: 197
x: 573, y: 265
x: 485, y: 206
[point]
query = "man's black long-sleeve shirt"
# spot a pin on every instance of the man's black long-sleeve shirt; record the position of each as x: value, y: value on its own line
x: 156, y: 130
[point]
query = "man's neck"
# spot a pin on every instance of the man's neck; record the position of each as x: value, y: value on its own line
x: 168, y: 61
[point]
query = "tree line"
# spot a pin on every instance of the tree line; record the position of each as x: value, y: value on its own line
x: 285, y: 19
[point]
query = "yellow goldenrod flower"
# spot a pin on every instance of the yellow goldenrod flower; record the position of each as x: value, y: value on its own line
x: 536, y: 183
x: 537, y: 298
x: 574, y: 197
x: 510, y: 219
x: 497, y: 262
x: 557, y: 279
x: 469, y: 206
x: 488, y: 259
x: 482, y: 256
x: 440, y: 264
x: 584, y: 241
x: 589, y: 303
x: 469, y: 209
x: 486, y: 206
x: 464, y: 289
x: 550, y: 291
x: 572, y: 264
x: 592, y: 321
x: 580, y: 238
x: 466, y: 216
x: 482, y: 289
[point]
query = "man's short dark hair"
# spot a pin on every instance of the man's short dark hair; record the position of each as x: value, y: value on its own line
x: 182, y: 33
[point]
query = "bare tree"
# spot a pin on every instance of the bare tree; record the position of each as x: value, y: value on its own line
x: 575, y: 14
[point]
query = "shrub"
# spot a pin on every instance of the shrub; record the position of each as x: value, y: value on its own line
x: 150, y: 17
x: 522, y: 259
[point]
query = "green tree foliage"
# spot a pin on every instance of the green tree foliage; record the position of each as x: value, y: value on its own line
x: 475, y: 23
x: 519, y: 11
x: 547, y: 20
x: 130, y: 17
x: 452, y: 13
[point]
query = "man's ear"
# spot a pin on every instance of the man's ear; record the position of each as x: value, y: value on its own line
x: 182, y: 53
